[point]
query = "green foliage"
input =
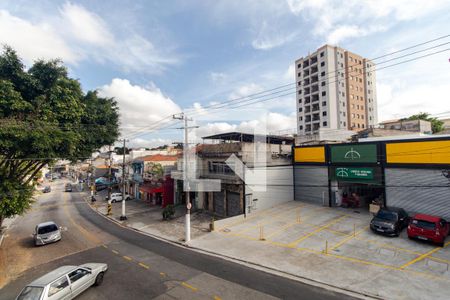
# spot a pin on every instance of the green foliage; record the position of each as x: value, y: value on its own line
x: 168, y: 212
x: 16, y: 197
x: 436, y: 125
x: 44, y: 116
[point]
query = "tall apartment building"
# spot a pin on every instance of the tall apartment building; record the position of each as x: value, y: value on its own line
x: 336, y: 90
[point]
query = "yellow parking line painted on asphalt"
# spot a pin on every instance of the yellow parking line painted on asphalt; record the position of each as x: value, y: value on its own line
x: 296, y: 242
x: 189, y: 286
x: 217, y: 298
x: 162, y: 274
x: 423, y: 256
x: 272, y: 218
x: 348, y: 238
x: 104, y: 246
x: 115, y: 252
x: 285, y: 227
x: 144, y: 266
x: 127, y: 257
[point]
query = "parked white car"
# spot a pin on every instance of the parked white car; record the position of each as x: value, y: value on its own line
x: 66, y: 282
x: 117, y: 197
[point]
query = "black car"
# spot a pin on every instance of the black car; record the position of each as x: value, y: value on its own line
x: 68, y: 187
x: 389, y: 221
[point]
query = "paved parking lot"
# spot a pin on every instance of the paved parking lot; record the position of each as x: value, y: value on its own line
x: 335, y: 237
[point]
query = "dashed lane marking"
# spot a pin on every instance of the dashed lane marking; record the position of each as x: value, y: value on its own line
x: 115, y: 252
x: 104, y: 246
x: 144, y: 266
x: 189, y: 286
x: 127, y: 258
x: 162, y: 274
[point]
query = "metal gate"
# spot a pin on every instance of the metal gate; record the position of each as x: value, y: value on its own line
x: 218, y: 199
x: 311, y: 184
x: 419, y: 190
x: 233, y: 204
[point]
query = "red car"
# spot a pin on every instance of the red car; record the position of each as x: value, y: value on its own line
x: 428, y: 228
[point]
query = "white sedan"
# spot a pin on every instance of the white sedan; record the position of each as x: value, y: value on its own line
x: 117, y: 197
x: 66, y: 282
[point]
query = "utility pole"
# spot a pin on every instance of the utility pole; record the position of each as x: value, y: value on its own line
x: 109, y: 183
x: 187, y: 222
x: 123, y: 216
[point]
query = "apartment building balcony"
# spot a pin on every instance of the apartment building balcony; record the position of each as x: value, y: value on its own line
x: 307, y: 91
x: 315, y: 107
x: 305, y: 73
x: 306, y: 81
x: 313, y: 60
x: 316, y: 126
x: 308, y: 118
x: 315, y: 88
x: 314, y: 79
x: 314, y: 70
x: 306, y: 64
x: 307, y: 109
x: 316, y: 117
x: 315, y: 98
x: 307, y: 99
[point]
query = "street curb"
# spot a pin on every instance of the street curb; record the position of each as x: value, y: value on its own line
x: 5, y: 229
x: 273, y: 271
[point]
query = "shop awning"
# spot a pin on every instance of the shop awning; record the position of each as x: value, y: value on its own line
x: 151, y: 189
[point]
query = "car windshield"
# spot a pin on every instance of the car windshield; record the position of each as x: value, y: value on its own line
x: 387, y: 215
x: 47, y: 229
x: 31, y: 293
x: 424, y: 224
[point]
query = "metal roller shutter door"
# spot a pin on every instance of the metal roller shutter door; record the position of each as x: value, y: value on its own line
x: 419, y: 191
x: 233, y: 204
x: 218, y: 199
x: 311, y: 184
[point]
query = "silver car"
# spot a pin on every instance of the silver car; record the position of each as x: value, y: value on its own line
x: 66, y: 282
x: 46, y: 233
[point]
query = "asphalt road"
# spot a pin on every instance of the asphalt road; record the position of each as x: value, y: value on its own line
x: 139, y: 266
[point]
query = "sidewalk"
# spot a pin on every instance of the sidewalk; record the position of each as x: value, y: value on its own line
x: 145, y: 217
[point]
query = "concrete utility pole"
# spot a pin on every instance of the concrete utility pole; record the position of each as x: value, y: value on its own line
x: 109, y: 183
x: 123, y: 216
x: 187, y: 223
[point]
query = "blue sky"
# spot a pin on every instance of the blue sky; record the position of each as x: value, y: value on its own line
x: 158, y: 57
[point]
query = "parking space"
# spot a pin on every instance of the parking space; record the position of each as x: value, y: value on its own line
x: 343, y: 234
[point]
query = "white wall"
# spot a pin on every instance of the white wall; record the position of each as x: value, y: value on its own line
x: 279, y: 188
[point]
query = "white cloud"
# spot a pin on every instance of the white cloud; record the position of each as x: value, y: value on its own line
x: 148, y: 143
x: 245, y: 90
x: 218, y: 77
x: 76, y: 34
x: 86, y: 26
x: 139, y: 107
x: 290, y: 73
x: 270, y: 37
x: 34, y: 41
x: 360, y: 17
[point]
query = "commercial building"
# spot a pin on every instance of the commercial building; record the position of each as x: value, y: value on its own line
x: 410, y: 173
x: 336, y: 91
x: 236, y: 196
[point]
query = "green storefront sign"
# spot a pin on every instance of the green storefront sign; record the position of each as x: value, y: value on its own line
x: 354, y: 173
x: 354, y: 153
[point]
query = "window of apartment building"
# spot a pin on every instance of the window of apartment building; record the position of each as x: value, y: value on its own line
x: 299, y: 74
x: 300, y: 109
x: 301, y: 118
x: 360, y: 80
x: 322, y: 54
x: 357, y: 97
x: 219, y: 167
x: 325, y: 123
x: 342, y: 56
x: 362, y: 125
x: 370, y: 118
x: 357, y: 116
x: 299, y: 92
x: 323, y: 83
x: 342, y: 65
x: 359, y: 126
x: 360, y: 62
x: 369, y: 91
x: 300, y: 100
x: 343, y: 94
x: 322, y: 74
x: 345, y: 124
x: 324, y: 93
x: 299, y: 83
x: 324, y: 103
x: 357, y: 106
x: 299, y: 66
x: 308, y: 128
x: 301, y: 127
x: 324, y: 113
x: 351, y: 58
x: 343, y: 113
x: 342, y: 84
x: 342, y: 74
x: 322, y: 64
x: 353, y: 116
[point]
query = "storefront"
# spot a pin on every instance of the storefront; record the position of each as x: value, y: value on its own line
x: 418, y: 176
x: 356, y: 175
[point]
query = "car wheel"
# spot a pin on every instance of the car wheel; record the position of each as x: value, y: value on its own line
x: 99, y: 278
x: 113, y: 201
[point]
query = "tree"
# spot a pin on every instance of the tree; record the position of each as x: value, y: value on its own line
x: 45, y: 116
x: 436, y: 125
x: 119, y: 150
